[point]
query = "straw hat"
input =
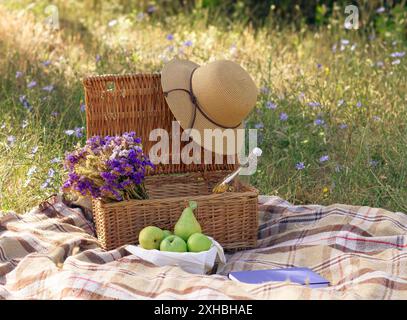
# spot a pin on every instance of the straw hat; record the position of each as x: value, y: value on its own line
x: 218, y: 95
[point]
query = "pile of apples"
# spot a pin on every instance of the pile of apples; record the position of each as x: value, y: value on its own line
x: 187, y: 235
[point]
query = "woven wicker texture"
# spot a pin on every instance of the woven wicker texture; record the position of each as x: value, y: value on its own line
x: 116, y: 104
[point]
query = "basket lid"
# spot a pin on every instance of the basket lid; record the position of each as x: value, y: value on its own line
x: 135, y: 102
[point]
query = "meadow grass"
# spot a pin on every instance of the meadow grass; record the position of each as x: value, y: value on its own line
x: 331, y: 115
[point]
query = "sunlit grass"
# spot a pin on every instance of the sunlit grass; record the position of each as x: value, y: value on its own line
x: 340, y: 113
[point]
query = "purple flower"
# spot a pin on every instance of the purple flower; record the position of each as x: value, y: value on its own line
x: 19, y: 74
x: 345, y: 42
x: 48, y: 88
x: 341, y: 102
x: 314, y: 104
x: 398, y: 54
x: 78, y: 132
x: 51, y: 173
x: 46, y: 63
x: 98, y: 58
x: 45, y: 184
x: 324, y: 158
x: 34, y: 150
x: 55, y: 160
x: 54, y: 114
x: 380, y: 10
x: 319, y: 122
x: 358, y: 104
x: 31, y: 171
x: 271, y: 105
x: 319, y: 66
x: 24, y: 102
x: 300, y: 166
x: 32, y: 84
x: 283, y: 116
x: 188, y: 43
x: 83, y: 107
x: 170, y: 37
x: 396, y: 62
x: 259, y: 125
x: 373, y: 163
x: 343, y: 126
x: 151, y: 9
x: 11, y: 140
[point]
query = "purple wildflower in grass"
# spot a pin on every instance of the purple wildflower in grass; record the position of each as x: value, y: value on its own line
x: 46, y: 184
x: 69, y: 132
x: 319, y: 66
x: 79, y: 132
x: 343, y: 126
x: 283, y: 116
x: 324, y: 158
x: 55, y: 160
x: 358, y: 104
x: 46, y: 63
x: 32, y: 84
x: 265, y: 90
x: 19, y: 74
x: 170, y: 37
x: 380, y: 10
x: 259, y: 125
x: 345, y: 42
x: 51, y: 173
x: 271, y: 105
x: 54, y: 114
x: 314, y: 104
x: 341, y: 102
x: 98, y: 57
x: 373, y: 163
x: 48, y: 88
x: 379, y: 64
x: 188, y: 43
x: 396, y: 62
x: 11, y: 140
x: 34, y: 150
x: 398, y: 54
x: 83, y: 107
x: 151, y: 9
x: 319, y: 122
x: 300, y: 166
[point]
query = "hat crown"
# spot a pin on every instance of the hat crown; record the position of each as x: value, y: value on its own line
x: 225, y: 92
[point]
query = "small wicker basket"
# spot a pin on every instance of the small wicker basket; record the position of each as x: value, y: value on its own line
x: 116, y: 104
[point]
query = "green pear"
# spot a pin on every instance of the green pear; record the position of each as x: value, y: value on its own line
x: 167, y: 233
x: 187, y: 223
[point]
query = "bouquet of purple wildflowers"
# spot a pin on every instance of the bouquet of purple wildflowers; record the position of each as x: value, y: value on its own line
x: 111, y: 168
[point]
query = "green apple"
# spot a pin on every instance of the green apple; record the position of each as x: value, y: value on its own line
x: 150, y: 237
x: 198, y: 242
x: 174, y: 244
x: 167, y: 233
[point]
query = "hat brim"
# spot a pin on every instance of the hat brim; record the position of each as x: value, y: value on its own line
x: 176, y: 74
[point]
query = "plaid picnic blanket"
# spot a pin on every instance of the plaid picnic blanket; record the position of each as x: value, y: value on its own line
x: 53, y: 254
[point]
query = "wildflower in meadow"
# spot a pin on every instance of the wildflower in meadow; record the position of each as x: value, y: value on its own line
x: 54, y: 114
x: 151, y: 9
x: 34, y: 150
x: 358, y: 104
x: 343, y: 126
x: 78, y: 132
x: 396, y: 62
x: 283, y: 116
x: 300, y: 166
x: 319, y: 66
x: 345, y: 42
x: 271, y: 105
x: 380, y: 10
x: 319, y: 122
x: 265, y: 90
x: 170, y: 37
x: 98, y: 58
x: 11, y: 140
x: 32, y: 171
x: 188, y: 43
x: 46, y: 63
x: 314, y: 104
x: 48, y: 88
x: 55, y: 160
x: 373, y: 163
x: 83, y: 107
x: 259, y: 125
x: 45, y: 184
x: 112, y: 23
x: 19, y: 74
x: 32, y: 84
x: 341, y: 102
x: 51, y: 173
x: 324, y: 158
x: 398, y: 54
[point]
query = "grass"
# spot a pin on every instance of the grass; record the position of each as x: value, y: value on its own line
x: 340, y: 103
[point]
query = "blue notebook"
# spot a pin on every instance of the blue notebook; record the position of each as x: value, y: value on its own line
x: 302, y: 276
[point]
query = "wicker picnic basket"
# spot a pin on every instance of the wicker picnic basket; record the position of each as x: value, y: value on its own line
x: 120, y: 103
